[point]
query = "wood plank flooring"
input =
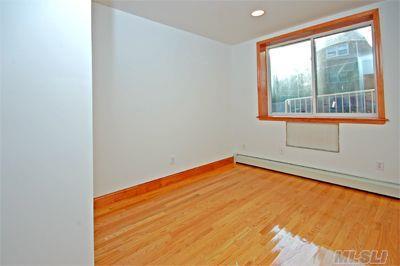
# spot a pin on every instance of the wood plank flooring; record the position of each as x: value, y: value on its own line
x: 242, y: 215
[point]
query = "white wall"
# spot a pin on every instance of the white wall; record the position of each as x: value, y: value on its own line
x: 398, y: 74
x: 158, y: 92
x: 361, y: 146
x: 1, y: 139
x: 46, y: 117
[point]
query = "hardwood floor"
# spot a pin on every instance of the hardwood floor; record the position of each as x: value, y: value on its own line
x: 239, y: 215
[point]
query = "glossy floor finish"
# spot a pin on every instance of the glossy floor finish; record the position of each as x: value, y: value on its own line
x: 240, y: 215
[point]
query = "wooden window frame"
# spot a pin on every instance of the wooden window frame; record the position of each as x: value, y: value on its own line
x: 262, y: 68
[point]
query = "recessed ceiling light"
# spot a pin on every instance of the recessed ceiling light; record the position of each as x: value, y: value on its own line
x: 257, y: 13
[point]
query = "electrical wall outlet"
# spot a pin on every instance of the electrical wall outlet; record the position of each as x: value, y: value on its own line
x: 172, y: 160
x: 380, y: 166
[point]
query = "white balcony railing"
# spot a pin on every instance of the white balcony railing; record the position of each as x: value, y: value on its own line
x: 344, y: 102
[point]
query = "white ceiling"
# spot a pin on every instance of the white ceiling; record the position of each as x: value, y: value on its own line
x: 230, y: 21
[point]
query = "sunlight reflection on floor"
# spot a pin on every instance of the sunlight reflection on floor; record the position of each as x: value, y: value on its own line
x: 294, y: 250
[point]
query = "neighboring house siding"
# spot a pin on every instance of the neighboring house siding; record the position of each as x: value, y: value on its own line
x: 341, y: 73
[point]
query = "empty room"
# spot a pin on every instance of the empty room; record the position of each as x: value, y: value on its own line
x: 196, y: 132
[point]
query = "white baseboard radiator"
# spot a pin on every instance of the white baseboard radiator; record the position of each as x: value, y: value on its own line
x: 379, y: 187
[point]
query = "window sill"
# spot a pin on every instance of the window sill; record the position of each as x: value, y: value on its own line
x: 379, y: 121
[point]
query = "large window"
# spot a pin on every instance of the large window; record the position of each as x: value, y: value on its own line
x: 326, y: 73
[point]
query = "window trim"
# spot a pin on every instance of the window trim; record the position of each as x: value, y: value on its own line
x: 314, y: 74
x: 370, y: 17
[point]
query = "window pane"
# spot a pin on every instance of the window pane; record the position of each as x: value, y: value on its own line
x: 345, y: 72
x: 290, y: 78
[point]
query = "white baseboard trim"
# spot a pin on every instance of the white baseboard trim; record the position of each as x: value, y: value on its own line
x: 384, y: 188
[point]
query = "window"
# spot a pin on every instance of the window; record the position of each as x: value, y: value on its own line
x: 291, y: 81
x: 325, y: 73
x: 334, y: 50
